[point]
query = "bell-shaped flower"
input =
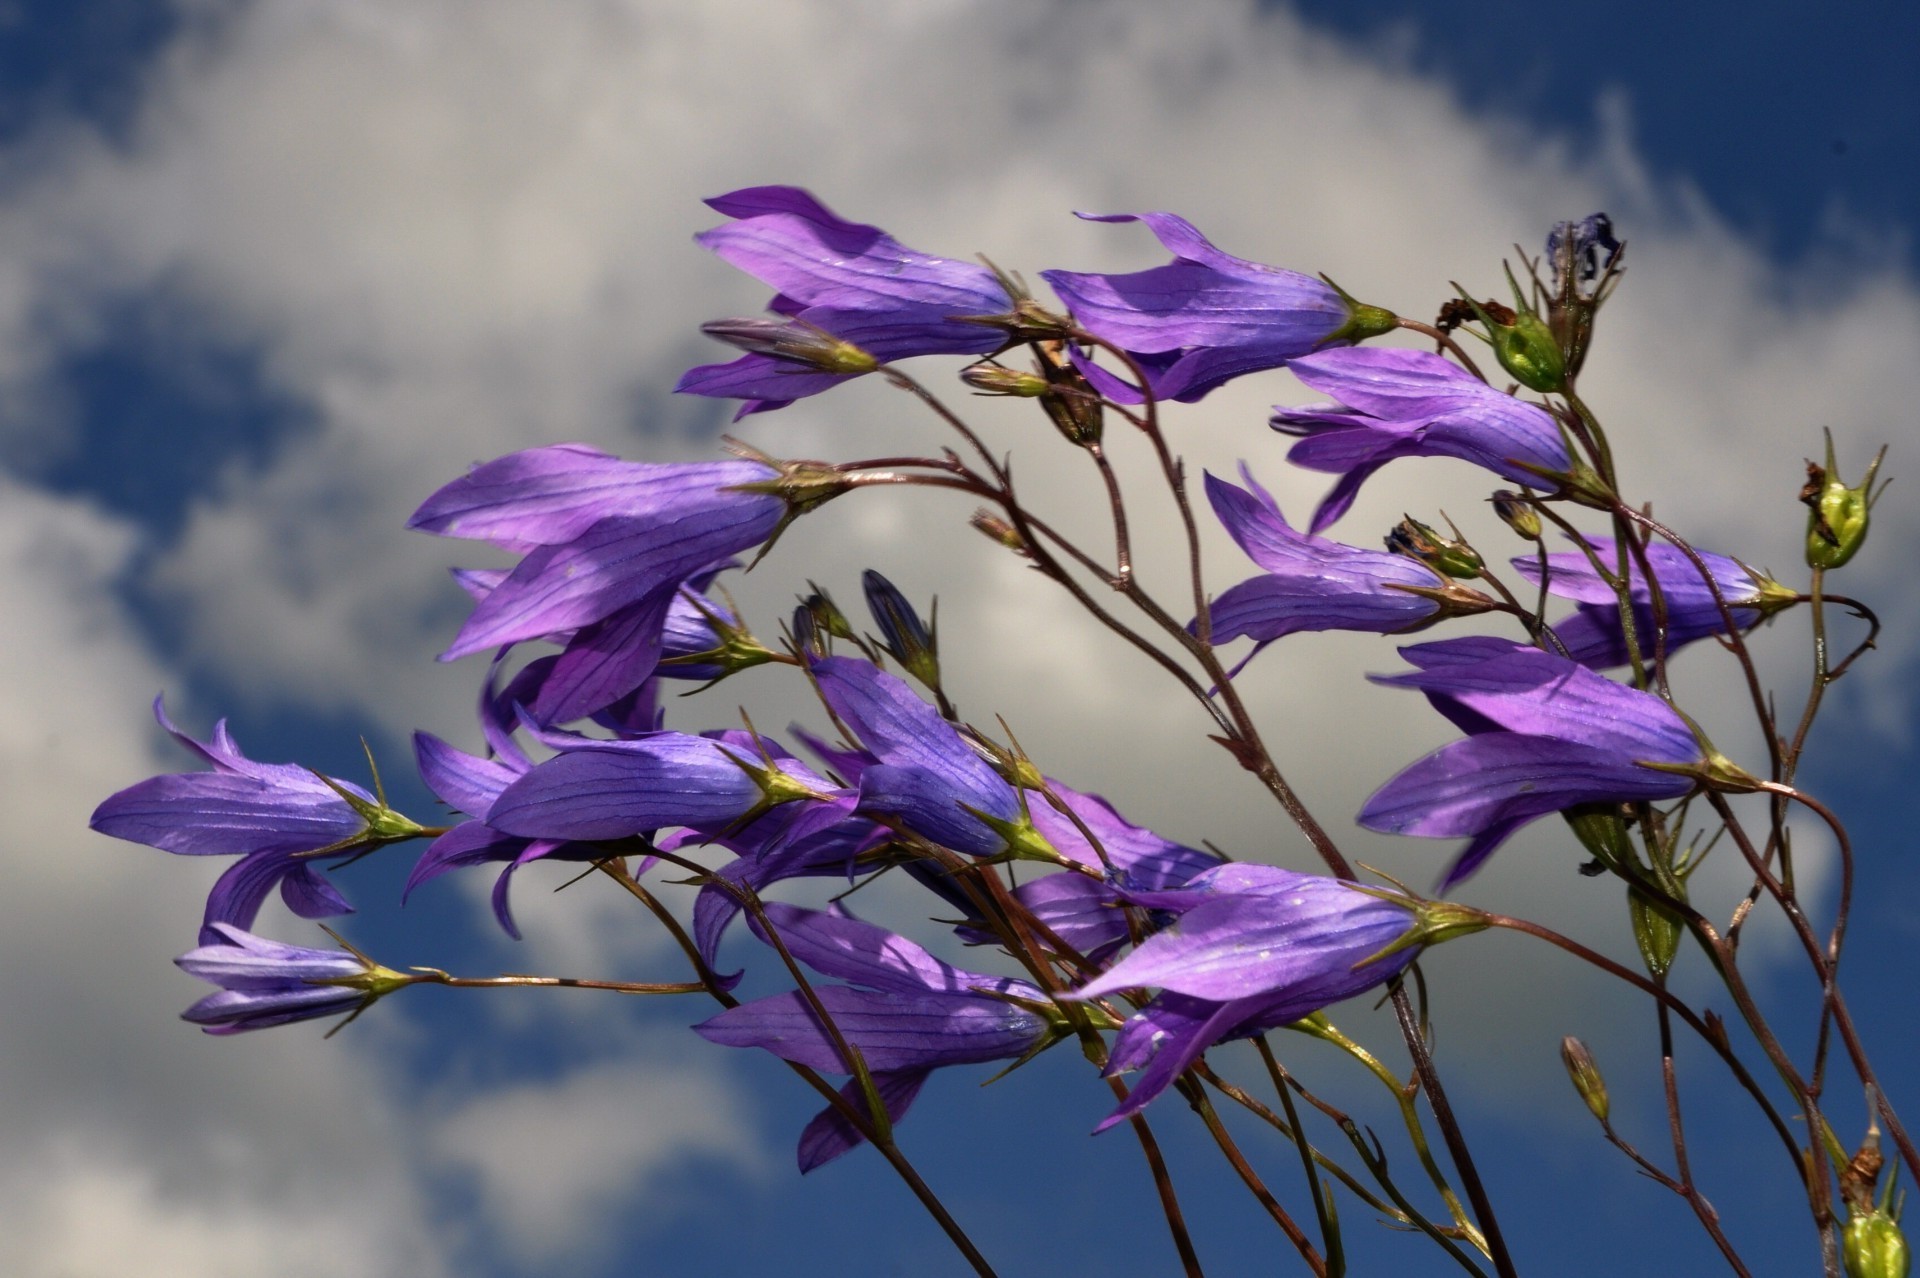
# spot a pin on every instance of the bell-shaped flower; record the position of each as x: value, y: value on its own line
x: 905, y: 1012
x: 1312, y: 583
x: 265, y: 983
x: 1207, y: 317
x: 470, y: 784
x: 602, y: 790
x: 606, y: 544
x: 1592, y: 635
x: 1544, y: 734
x: 278, y: 818
x: 1401, y: 403
x: 1254, y: 947
x: 845, y: 281
x: 1086, y: 912
x: 928, y: 778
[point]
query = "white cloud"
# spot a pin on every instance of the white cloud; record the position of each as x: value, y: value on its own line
x: 460, y: 228
x: 550, y: 1161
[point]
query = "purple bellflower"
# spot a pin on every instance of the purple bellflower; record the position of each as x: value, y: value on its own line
x: 265, y: 983
x: 1087, y: 912
x: 1255, y: 947
x: 1544, y: 735
x: 470, y: 785
x: 1208, y: 317
x: 596, y: 789
x: 606, y: 545
x: 927, y: 778
x: 1592, y: 635
x: 905, y: 1011
x: 852, y: 296
x: 1401, y: 403
x: 278, y: 818
x: 1312, y: 583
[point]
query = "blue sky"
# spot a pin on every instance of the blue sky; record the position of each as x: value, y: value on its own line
x: 275, y: 272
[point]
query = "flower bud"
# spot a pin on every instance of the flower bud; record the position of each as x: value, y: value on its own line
x: 1838, y: 515
x: 992, y: 379
x: 1872, y: 1246
x: 1447, y: 556
x: 1657, y: 929
x: 985, y: 521
x: 907, y: 640
x: 1517, y: 513
x: 1523, y: 343
x: 793, y: 340
x: 1585, y: 1075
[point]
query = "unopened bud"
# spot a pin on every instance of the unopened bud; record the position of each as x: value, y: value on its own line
x: 826, y: 614
x: 1522, y: 342
x: 1447, y: 556
x: 1838, y: 515
x: 1517, y: 513
x: 1657, y: 928
x: 1872, y: 1246
x: 999, y: 530
x: 1585, y: 1075
x: 996, y: 380
x: 910, y: 642
x: 794, y: 340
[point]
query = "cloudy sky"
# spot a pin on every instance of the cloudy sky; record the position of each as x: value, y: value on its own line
x: 272, y: 272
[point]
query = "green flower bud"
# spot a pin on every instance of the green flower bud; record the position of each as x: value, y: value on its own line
x: 1517, y: 514
x: 991, y: 525
x: 1657, y: 928
x: 1585, y: 1075
x: 992, y: 379
x: 794, y: 340
x: 1447, y: 556
x: 1837, y: 515
x: 1872, y: 1246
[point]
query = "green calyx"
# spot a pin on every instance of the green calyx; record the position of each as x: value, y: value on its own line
x: 1872, y: 1246
x: 1838, y: 515
x: 1523, y: 342
x: 1024, y: 842
x: 1363, y: 321
x: 1432, y: 923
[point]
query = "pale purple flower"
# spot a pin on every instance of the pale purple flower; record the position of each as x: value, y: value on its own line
x: 905, y: 1011
x: 1544, y: 734
x: 1311, y: 583
x: 848, y: 281
x: 1400, y: 403
x: 265, y: 983
x: 1592, y: 635
x: 1206, y: 317
x: 273, y: 816
x: 928, y: 778
x: 1255, y: 947
x: 606, y: 544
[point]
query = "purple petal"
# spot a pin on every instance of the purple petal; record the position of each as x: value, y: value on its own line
x: 1505, y: 778
x: 830, y: 1135
x: 891, y: 1031
x: 618, y: 789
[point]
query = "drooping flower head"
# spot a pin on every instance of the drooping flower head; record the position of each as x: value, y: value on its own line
x: 1400, y: 403
x: 838, y: 280
x: 1592, y: 635
x: 1255, y: 947
x: 606, y: 545
x: 1207, y: 317
x: 1312, y: 583
x: 280, y: 819
x: 265, y: 983
x: 1544, y: 734
x: 906, y: 1012
x: 928, y: 778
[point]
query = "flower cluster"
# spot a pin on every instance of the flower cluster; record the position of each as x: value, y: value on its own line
x: 1144, y: 950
